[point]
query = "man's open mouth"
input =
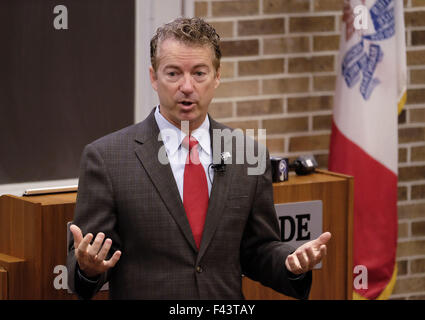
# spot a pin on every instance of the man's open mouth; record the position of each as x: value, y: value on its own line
x: 186, y: 103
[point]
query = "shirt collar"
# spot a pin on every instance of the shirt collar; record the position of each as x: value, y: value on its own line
x: 173, y: 136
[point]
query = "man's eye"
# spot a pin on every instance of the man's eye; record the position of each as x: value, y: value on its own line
x: 172, y: 74
x: 199, y: 73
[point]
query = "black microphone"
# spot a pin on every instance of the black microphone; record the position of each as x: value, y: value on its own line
x: 221, y: 167
x: 304, y: 165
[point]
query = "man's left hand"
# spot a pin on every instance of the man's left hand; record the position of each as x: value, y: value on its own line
x: 308, y: 255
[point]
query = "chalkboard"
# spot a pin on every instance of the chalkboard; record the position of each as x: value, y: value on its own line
x: 61, y: 88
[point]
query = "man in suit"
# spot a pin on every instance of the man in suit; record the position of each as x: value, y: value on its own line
x: 179, y: 229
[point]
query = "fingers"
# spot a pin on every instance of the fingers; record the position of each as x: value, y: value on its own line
x: 304, y: 259
x: 84, y: 244
x: 113, y: 261
x: 95, y: 252
x: 77, y: 234
x: 308, y: 255
x: 312, y: 258
x: 323, y: 251
x: 91, y: 255
x: 292, y: 264
x: 97, y: 243
x: 324, y: 238
x: 105, y: 249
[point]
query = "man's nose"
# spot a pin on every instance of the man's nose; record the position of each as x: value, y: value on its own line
x: 186, y: 86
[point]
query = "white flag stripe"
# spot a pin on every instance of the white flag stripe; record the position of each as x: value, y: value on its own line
x: 366, y: 113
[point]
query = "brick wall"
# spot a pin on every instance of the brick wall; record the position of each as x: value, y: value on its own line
x: 278, y: 73
x: 411, y: 199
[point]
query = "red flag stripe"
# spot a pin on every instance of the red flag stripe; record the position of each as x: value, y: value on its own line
x: 375, y: 211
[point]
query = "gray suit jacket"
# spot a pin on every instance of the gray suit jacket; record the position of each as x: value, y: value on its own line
x: 125, y: 192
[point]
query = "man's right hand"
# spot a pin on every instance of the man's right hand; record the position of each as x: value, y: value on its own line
x: 91, y: 257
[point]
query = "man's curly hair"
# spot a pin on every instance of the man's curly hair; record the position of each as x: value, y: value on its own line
x: 190, y: 31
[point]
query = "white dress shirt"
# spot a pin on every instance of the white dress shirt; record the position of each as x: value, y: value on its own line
x: 173, y: 137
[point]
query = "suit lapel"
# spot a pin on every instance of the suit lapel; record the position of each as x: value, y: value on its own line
x: 219, y: 192
x: 161, y: 175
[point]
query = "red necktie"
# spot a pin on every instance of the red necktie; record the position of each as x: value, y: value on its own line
x: 195, y: 190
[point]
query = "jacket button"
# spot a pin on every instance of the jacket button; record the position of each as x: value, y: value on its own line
x: 199, y: 269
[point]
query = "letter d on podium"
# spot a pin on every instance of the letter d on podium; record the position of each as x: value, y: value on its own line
x: 292, y: 228
x: 300, y: 222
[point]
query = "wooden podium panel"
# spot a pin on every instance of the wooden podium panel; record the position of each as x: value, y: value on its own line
x: 3, y: 284
x: 334, y: 279
x: 33, y: 238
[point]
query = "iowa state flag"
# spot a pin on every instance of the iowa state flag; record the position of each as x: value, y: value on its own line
x: 370, y: 92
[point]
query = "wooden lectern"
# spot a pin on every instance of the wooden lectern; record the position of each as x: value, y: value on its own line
x: 33, y: 237
x: 33, y: 246
x: 334, y: 279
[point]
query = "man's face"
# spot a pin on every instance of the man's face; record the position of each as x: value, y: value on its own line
x: 185, y: 81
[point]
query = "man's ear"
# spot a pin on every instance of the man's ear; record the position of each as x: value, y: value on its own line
x: 154, y: 79
x: 217, y: 78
